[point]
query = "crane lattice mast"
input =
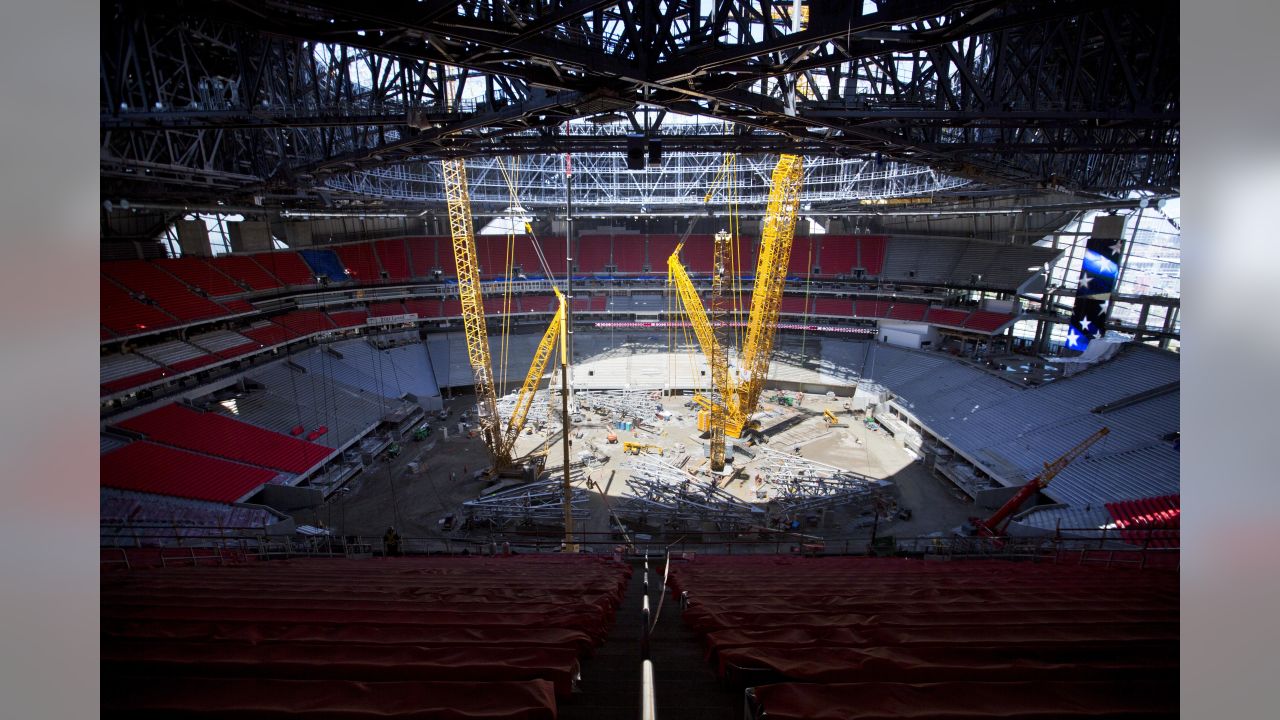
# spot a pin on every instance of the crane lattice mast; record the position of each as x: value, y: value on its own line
x: 501, y: 441
x: 739, y: 398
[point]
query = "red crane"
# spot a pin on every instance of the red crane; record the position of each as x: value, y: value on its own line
x: 994, y: 526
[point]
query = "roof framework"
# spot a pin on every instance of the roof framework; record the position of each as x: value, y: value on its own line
x: 296, y: 103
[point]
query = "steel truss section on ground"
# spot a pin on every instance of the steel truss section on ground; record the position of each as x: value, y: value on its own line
x: 660, y: 493
x: 802, y: 485
x: 637, y: 404
x: 538, y: 504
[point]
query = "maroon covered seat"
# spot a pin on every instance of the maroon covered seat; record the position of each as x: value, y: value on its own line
x: 973, y: 662
x: 964, y: 700
x: 429, y: 637
x: 266, y: 699
x: 344, y: 661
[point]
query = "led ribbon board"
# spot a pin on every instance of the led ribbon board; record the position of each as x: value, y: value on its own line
x: 1098, y: 273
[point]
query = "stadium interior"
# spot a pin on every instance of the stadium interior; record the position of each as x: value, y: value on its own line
x: 741, y: 360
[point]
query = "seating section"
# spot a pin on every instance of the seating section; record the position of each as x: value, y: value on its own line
x: 125, y: 315
x: 178, y: 356
x: 267, y: 333
x: 304, y: 322
x: 793, y: 305
x: 594, y: 254
x: 552, y: 248
x: 985, y: 321
x: 870, y: 638
x: 214, y: 434
x: 914, y: 312
x: 122, y: 371
x: 390, y: 307
x: 491, y: 251
x: 121, y: 512
x: 804, y: 255
x: 422, y: 256
x: 837, y: 307
x: 839, y: 254
x: 167, y: 291
x: 360, y: 262
x: 238, y: 306
x: 349, y: 318
x: 142, y: 296
x: 153, y: 468
x: 525, y: 258
x: 197, y: 273
x: 538, y: 303
x: 246, y: 270
x: 871, y: 251
x: 1151, y: 522
x: 224, y: 343
x: 393, y: 258
x: 658, y: 249
x: 941, y: 316
x: 430, y: 637
x: 423, y: 307
x: 325, y: 263
x: 288, y: 267
x: 698, y: 253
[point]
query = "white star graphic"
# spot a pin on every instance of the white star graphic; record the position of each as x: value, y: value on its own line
x: 1085, y: 282
x: 1116, y: 247
x: 1088, y: 326
x: 1072, y: 337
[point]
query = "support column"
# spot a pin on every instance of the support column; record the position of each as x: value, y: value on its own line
x: 193, y: 238
x: 249, y: 236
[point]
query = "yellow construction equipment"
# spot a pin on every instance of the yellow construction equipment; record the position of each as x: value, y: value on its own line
x: 635, y: 448
x: 830, y: 417
x: 740, y: 395
x: 501, y: 440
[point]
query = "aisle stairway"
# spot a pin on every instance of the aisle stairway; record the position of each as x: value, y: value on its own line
x: 687, y: 688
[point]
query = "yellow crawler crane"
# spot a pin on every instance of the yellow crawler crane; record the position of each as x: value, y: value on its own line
x: 635, y: 448
x: 501, y: 440
x: 740, y: 396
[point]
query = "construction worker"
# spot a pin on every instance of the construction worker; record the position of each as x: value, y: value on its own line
x: 391, y: 542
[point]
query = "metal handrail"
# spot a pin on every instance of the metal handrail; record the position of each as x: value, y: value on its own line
x: 1058, y: 548
x: 648, y: 704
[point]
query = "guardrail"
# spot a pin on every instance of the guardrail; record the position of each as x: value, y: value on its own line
x: 1140, y: 549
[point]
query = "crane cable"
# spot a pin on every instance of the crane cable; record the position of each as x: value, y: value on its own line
x: 504, y: 346
x: 808, y: 277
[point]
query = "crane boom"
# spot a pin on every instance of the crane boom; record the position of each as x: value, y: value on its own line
x: 702, y: 329
x: 501, y: 441
x: 473, y: 320
x: 529, y: 389
x: 994, y: 525
x: 771, y: 276
x: 740, y: 398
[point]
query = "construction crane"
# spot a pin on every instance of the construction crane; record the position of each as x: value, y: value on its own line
x: 994, y: 526
x: 635, y: 448
x: 738, y: 397
x: 500, y: 438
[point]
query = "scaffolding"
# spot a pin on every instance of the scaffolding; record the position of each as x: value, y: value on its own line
x: 531, y: 504
x: 801, y: 485
x: 663, y: 494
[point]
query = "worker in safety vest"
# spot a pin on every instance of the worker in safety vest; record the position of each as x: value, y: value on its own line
x: 391, y: 542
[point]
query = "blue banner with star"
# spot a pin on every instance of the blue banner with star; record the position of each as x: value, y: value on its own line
x: 1099, y: 272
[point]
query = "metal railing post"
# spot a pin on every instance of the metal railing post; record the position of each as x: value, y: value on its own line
x: 648, y: 705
